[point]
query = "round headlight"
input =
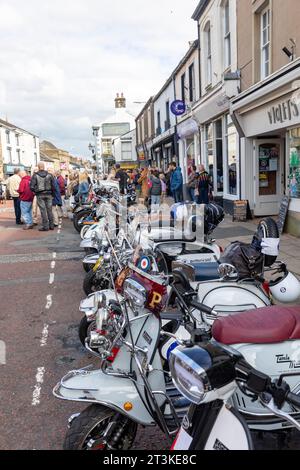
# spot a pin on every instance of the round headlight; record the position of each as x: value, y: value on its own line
x: 188, y: 376
x: 135, y: 293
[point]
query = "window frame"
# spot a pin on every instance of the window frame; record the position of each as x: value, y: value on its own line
x: 192, y: 83
x: 126, y: 142
x: 208, y: 54
x: 265, y: 46
x: 182, y: 78
x: 227, y: 35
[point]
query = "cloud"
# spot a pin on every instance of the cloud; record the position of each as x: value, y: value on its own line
x: 61, y: 62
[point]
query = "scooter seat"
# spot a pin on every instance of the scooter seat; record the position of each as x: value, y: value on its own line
x: 265, y: 325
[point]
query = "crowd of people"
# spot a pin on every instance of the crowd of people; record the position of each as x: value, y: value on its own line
x: 154, y: 185
x: 46, y: 190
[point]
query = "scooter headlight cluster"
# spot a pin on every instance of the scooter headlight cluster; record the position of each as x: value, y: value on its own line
x: 189, y: 377
x: 135, y: 292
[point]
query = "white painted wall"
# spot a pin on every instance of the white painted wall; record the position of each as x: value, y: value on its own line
x: 117, y: 147
x: 160, y: 105
x: 214, y: 15
x: 28, y: 145
x: 185, y: 69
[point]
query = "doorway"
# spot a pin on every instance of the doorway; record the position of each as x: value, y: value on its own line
x: 269, y: 176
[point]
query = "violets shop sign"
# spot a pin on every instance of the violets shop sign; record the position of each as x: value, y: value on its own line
x: 286, y: 111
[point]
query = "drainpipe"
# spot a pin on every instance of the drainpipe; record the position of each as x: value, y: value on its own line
x: 200, y: 86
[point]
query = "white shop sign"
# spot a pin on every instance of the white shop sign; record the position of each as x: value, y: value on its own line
x: 277, y: 115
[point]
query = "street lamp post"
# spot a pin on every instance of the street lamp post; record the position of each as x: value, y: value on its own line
x: 97, y: 150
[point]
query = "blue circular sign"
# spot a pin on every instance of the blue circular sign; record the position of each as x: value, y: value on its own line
x: 178, y: 107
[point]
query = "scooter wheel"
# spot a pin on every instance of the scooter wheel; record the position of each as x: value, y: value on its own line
x: 84, y: 329
x: 87, y: 430
x: 267, y: 228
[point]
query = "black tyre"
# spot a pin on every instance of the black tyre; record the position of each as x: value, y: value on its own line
x: 90, y: 251
x: 78, y: 217
x: 85, y: 329
x: 88, y: 267
x: 92, y: 284
x: 87, y: 430
x: 267, y: 228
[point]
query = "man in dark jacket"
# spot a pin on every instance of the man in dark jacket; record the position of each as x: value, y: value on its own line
x: 176, y: 182
x: 42, y: 185
x: 122, y: 177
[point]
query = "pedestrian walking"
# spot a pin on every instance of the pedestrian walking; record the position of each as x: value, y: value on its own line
x: 26, y: 199
x: 143, y: 181
x: 204, y: 185
x: 83, y: 188
x: 155, y: 191
x: 122, y: 177
x: 176, y: 182
x: 163, y: 187
x: 42, y: 185
x: 34, y: 203
x: 2, y: 193
x: 56, y: 201
x: 62, y: 189
x: 192, y: 183
x: 13, y: 186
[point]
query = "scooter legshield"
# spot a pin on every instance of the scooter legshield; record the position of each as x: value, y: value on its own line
x: 97, y: 387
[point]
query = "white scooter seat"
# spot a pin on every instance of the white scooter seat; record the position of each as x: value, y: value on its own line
x: 268, y: 325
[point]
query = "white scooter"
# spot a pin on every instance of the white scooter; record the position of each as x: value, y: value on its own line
x: 208, y: 375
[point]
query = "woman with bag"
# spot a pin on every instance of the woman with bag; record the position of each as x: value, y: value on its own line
x: 192, y: 183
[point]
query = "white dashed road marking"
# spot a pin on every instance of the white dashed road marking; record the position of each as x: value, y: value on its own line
x: 38, y: 386
x: 53, y: 263
x: 45, y: 334
x: 51, y: 278
x: 54, y: 255
x: 49, y: 302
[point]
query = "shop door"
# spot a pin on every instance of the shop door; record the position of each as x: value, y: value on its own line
x: 269, y: 176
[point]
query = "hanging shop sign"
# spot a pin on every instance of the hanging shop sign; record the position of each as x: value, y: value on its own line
x: 178, y: 107
x: 187, y: 128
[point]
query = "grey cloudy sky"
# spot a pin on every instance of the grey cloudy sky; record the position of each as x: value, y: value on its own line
x: 62, y: 61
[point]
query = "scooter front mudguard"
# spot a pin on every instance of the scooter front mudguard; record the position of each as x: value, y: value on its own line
x: 97, y: 387
x: 88, y: 243
x: 91, y: 259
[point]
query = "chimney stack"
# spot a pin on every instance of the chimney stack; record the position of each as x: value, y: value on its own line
x: 120, y: 102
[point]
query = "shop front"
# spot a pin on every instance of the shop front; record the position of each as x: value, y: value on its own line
x: 189, y: 146
x: 220, y: 150
x: 8, y: 170
x: 165, y: 150
x: 268, y: 119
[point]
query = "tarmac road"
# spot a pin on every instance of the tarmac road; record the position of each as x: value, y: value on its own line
x: 40, y: 290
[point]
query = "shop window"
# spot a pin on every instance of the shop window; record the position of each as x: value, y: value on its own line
x: 219, y: 156
x: 294, y: 164
x: 231, y: 142
x: 269, y: 155
x: 209, y: 150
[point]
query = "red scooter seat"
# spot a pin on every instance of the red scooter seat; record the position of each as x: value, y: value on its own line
x: 265, y: 325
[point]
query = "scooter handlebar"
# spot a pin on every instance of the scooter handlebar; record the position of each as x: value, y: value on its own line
x: 293, y: 399
x: 201, y: 307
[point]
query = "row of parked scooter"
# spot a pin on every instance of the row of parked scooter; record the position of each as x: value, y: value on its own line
x: 188, y: 337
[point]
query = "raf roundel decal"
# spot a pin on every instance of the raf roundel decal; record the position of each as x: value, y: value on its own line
x: 145, y: 264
